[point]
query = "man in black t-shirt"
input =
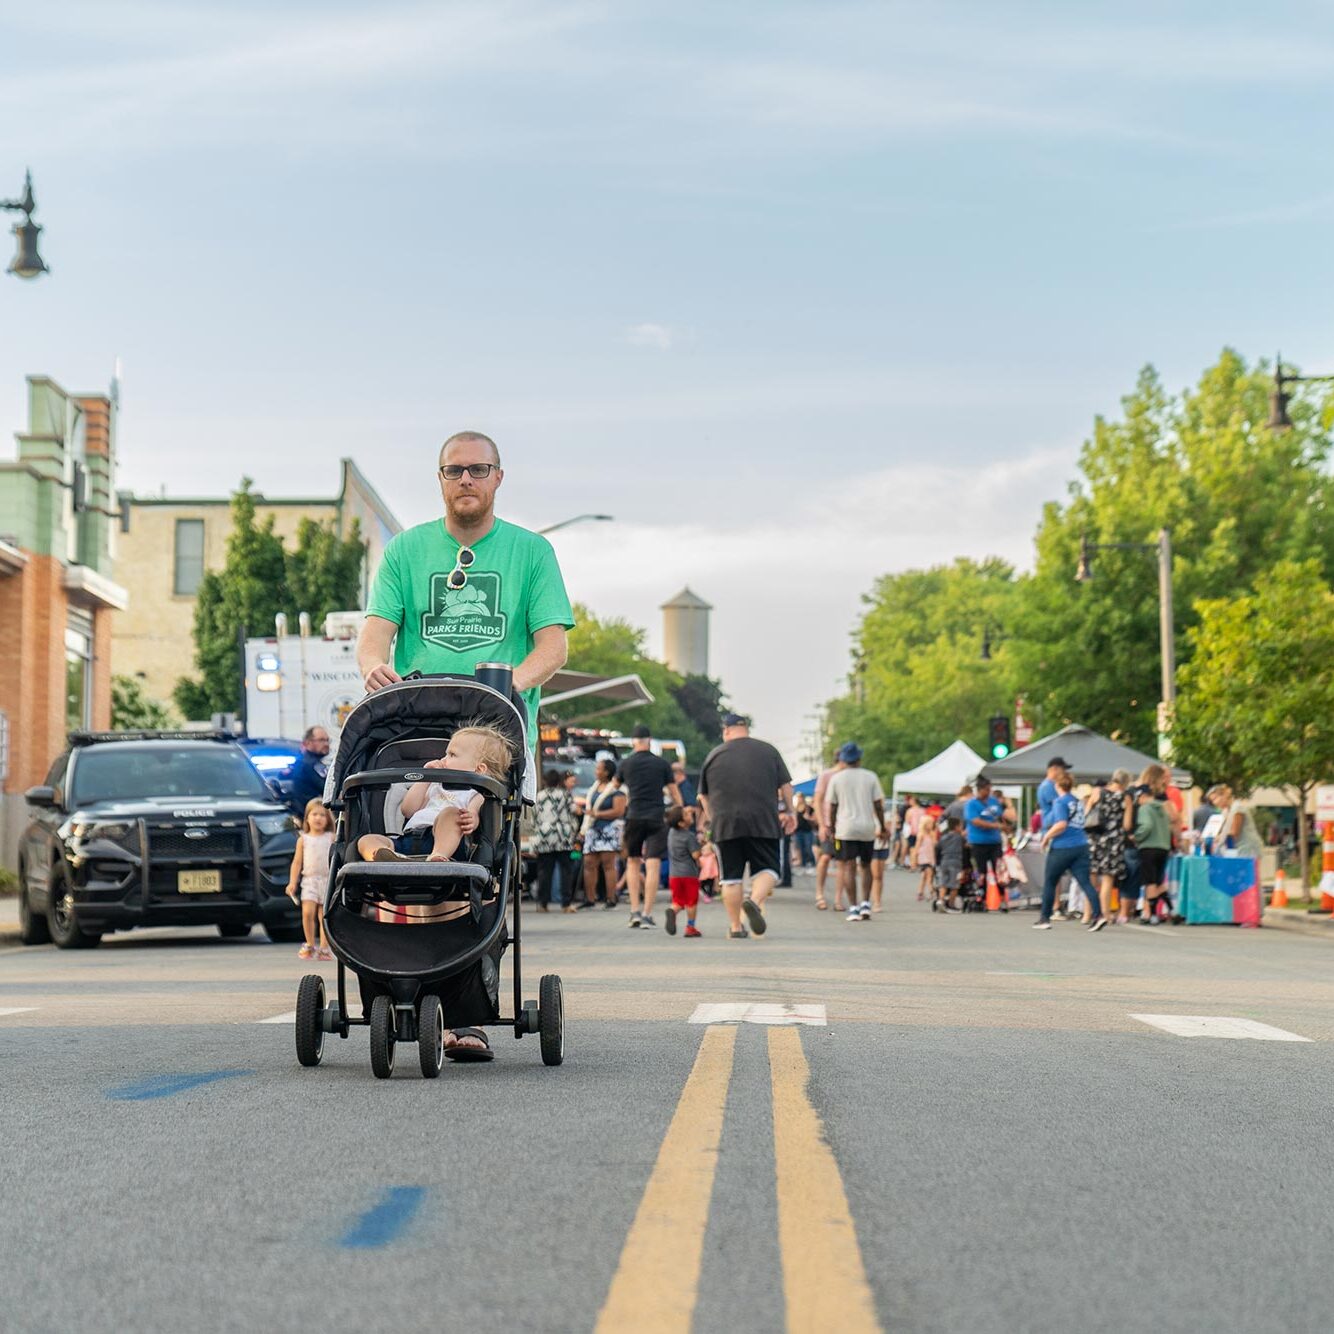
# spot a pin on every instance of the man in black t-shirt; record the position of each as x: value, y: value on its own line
x: 745, y: 792
x: 646, y: 777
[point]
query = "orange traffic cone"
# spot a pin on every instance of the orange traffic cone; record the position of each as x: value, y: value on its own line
x: 1279, y: 898
x: 1327, y: 869
x: 993, y: 891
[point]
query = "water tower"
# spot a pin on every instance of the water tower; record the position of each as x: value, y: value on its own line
x: 685, y: 633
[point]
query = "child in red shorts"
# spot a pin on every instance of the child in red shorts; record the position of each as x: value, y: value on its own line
x: 682, y: 870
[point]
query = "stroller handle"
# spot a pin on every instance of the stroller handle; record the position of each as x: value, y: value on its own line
x: 452, y: 778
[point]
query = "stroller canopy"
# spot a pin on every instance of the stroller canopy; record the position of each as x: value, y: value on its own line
x: 427, y: 707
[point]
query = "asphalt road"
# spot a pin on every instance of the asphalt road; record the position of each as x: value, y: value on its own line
x: 981, y: 1136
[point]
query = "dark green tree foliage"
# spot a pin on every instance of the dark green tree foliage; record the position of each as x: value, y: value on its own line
x: 132, y: 708
x: 685, y: 708
x: 919, y: 679
x: 1237, y: 497
x: 1256, y: 704
x: 259, y: 579
x: 324, y: 572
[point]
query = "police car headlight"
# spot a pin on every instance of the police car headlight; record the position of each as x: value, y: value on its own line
x: 112, y: 831
x: 272, y: 825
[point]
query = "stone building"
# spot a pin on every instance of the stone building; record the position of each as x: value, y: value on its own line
x: 166, y: 544
x: 57, y: 597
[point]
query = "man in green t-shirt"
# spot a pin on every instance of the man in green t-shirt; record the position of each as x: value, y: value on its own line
x: 457, y: 591
x: 467, y: 588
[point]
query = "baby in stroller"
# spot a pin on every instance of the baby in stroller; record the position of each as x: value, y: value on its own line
x: 437, y: 819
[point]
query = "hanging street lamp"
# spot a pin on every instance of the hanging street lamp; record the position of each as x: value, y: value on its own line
x: 27, y: 263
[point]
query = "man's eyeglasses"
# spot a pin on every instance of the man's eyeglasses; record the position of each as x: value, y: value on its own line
x: 451, y: 472
x: 458, y: 576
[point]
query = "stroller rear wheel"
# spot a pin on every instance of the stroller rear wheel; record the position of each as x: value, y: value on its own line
x: 431, y: 1036
x: 383, y: 1037
x: 310, y: 1019
x: 551, y: 1019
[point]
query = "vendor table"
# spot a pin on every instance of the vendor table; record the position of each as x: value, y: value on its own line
x: 1216, y: 889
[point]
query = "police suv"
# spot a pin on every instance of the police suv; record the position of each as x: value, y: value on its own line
x: 154, y: 829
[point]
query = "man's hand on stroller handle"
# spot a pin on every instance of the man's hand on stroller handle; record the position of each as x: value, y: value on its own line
x: 379, y: 677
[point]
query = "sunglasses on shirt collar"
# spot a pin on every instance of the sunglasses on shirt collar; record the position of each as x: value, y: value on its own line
x: 458, y: 576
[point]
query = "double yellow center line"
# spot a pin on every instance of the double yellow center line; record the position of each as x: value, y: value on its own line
x: 656, y: 1283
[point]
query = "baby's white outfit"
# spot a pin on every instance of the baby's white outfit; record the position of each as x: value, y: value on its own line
x: 439, y: 799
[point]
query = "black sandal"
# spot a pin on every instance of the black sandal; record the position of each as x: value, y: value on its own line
x: 740, y: 933
x: 457, y: 1053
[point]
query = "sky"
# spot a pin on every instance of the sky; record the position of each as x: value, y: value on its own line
x: 801, y: 294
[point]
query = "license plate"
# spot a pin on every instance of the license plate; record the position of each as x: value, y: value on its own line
x: 199, y: 882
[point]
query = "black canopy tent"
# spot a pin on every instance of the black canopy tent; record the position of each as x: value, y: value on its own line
x: 1092, y: 758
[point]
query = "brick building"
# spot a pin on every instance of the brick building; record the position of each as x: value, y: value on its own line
x: 165, y: 544
x: 57, y: 548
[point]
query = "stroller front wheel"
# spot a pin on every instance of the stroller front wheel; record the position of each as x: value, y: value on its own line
x: 431, y: 1036
x: 383, y: 1037
x: 551, y: 1019
x: 310, y: 1019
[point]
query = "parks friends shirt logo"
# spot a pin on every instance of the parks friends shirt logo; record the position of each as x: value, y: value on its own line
x: 464, y: 618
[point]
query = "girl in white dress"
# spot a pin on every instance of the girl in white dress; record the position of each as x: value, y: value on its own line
x: 310, y: 873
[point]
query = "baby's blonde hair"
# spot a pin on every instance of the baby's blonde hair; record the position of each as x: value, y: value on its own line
x: 494, y: 746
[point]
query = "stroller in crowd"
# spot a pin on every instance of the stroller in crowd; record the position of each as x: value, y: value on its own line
x: 410, y: 975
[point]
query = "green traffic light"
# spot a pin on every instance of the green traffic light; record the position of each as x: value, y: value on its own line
x: 999, y: 751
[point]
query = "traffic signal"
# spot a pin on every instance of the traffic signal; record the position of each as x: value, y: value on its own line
x: 1000, y: 737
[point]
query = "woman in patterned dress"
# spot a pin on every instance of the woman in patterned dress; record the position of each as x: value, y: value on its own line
x: 553, y: 840
x: 1107, y: 839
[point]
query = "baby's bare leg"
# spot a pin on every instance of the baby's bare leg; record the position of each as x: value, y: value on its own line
x: 448, y: 836
x: 369, y: 844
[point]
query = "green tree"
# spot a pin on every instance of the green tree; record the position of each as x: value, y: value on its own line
x: 686, y: 708
x: 324, y: 572
x: 259, y: 579
x: 919, y: 680
x: 132, y: 708
x: 1236, y: 496
x: 1256, y: 706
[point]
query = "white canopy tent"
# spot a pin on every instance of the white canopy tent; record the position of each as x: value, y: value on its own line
x: 943, y: 774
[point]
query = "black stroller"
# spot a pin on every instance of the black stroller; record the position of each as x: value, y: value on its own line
x: 405, y: 970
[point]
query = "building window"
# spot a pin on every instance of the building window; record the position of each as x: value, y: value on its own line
x: 78, y: 678
x: 189, y: 556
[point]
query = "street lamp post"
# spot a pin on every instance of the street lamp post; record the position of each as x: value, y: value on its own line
x: 1279, y: 396
x: 578, y: 518
x: 27, y: 263
x: 1163, y: 548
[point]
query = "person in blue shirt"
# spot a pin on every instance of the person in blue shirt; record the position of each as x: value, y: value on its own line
x: 310, y: 770
x: 984, y: 826
x: 1067, y: 848
x: 1047, y: 788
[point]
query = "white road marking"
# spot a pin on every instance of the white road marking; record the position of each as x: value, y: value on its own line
x: 1217, y: 1026
x: 17, y: 1009
x: 759, y: 1014
x: 288, y: 1018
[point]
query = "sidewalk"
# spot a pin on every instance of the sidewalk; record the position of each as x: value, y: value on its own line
x: 1297, y: 919
x: 9, y: 920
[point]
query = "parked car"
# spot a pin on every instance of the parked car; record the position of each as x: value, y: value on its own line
x: 154, y: 829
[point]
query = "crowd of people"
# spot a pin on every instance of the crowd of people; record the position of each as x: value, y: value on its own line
x: 1107, y: 842
x: 643, y: 821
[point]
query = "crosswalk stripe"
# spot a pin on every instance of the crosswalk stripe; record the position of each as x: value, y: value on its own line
x: 746, y: 1013
x: 288, y: 1018
x: 824, y: 1280
x: 17, y: 1009
x: 657, y: 1279
x: 1217, y: 1026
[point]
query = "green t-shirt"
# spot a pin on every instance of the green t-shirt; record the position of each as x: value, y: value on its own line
x: 514, y: 589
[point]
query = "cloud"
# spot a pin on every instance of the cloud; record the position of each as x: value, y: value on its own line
x: 787, y: 588
x: 650, y: 335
